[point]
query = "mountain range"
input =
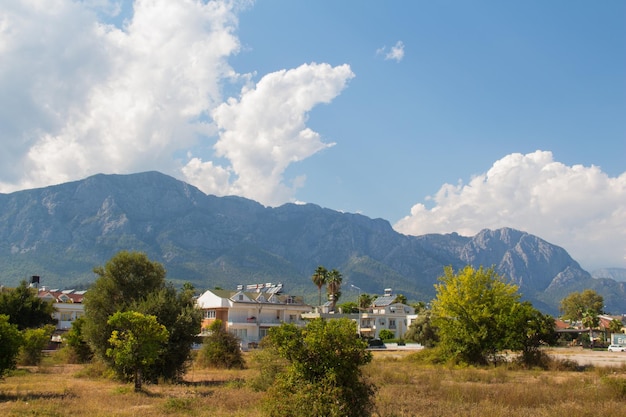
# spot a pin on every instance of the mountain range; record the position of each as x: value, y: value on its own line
x: 62, y: 232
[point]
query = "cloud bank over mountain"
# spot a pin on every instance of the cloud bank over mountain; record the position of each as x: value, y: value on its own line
x: 576, y: 207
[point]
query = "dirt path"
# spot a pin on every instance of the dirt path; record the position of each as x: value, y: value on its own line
x: 590, y: 357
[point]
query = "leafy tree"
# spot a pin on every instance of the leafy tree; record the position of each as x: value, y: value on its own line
x: 528, y: 330
x: 615, y: 326
x: 422, y: 331
x: 136, y: 342
x: 319, y: 279
x: 386, y: 334
x: 349, y: 307
x: 10, y: 342
x: 177, y: 312
x: 575, y: 305
x: 24, y: 308
x: 221, y: 349
x: 333, y: 286
x: 76, y: 343
x: 472, y: 311
x: 324, y: 376
x: 365, y: 300
x: 34, y: 342
x: 131, y: 282
x: 400, y: 298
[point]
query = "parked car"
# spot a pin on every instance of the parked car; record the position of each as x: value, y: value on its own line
x: 617, y: 348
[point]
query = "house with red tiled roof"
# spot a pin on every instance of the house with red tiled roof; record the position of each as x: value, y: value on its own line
x: 68, y: 305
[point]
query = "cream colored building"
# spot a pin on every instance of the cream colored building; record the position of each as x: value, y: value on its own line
x: 249, y: 312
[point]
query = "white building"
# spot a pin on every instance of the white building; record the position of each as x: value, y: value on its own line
x: 250, y: 312
x: 384, y: 313
x: 68, y: 305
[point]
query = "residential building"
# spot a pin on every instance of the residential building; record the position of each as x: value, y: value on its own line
x: 249, y: 312
x: 384, y: 313
x: 68, y: 305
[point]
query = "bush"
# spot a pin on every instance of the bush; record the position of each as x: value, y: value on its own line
x: 323, y: 377
x: 35, y: 341
x: 386, y: 334
x: 10, y: 342
x: 221, y: 349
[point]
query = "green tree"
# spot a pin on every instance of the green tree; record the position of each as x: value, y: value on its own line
x: 365, y: 300
x: 472, y: 310
x: 386, y: 334
x: 615, y: 326
x: 528, y: 330
x: 575, y: 305
x: 221, y: 349
x: 10, y: 342
x: 136, y: 342
x: 349, y: 307
x: 324, y: 375
x: 76, y: 344
x: 24, y: 308
x: 333, y: 286
x: 34, y: 342
x: 400, y: 298
x: 422, y: 331
x: 131, y: 282
x: 319, y: 279
x: 177, y: 312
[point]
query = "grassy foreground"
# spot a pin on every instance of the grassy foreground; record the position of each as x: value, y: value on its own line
x: 405, y: 388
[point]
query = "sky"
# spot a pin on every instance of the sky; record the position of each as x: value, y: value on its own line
x: 438, y: 116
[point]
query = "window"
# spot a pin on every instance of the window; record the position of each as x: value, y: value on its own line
x: 209, y: 314
x: 263, y: 332
x: 392, y: 323
x: 240, y: 333
x: 66, y: 316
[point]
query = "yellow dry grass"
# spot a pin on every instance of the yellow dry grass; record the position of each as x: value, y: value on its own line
x: 405, y: 388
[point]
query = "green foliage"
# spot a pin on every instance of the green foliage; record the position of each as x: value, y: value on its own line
x: 131, y: 282
x: 220, y: 349
x: 76, y: 344
x: 422, y: 331
x: 324, y: 376
x: 319, y: 279
x: 575, y: 305
x: 472, y: 312
x: 528, y: 330
x: 349, y: 307
x: 34, y: 342
x: 136, y: 342
x: 333, y: 287
x: 386, y: 334
x: 10, y: 342
x: 400, y: 298
x: 24, y: 308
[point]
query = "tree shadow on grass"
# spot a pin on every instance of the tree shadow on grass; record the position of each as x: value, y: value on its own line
x: 32, y: 396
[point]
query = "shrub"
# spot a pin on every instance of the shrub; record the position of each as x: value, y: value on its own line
x: 35, y: 341
x: 221, y: 349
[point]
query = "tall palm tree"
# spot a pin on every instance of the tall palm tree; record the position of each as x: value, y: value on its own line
x: 333, y: 281
x: 319, y: 278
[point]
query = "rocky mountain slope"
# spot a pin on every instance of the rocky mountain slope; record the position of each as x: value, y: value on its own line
x: 61, y: 232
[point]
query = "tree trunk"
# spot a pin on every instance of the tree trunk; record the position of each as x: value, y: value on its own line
x: 137, y: 379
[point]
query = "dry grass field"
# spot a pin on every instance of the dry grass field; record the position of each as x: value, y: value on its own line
x: 405, y: 388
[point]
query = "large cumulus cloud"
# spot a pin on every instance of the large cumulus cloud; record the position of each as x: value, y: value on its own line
x: 579, y: 208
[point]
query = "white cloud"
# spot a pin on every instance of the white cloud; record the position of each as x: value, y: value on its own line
x: 80, y: 97
x: 264, y: 131
x: 578, y: 208
x: 396, y: 52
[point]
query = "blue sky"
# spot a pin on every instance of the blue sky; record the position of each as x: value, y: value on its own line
x: 439, y: 116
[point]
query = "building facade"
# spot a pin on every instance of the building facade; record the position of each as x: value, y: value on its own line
x: 249, y: 312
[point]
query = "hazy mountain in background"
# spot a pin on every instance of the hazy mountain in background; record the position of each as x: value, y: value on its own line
x: 617, y: 274
x: 61, y: 232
